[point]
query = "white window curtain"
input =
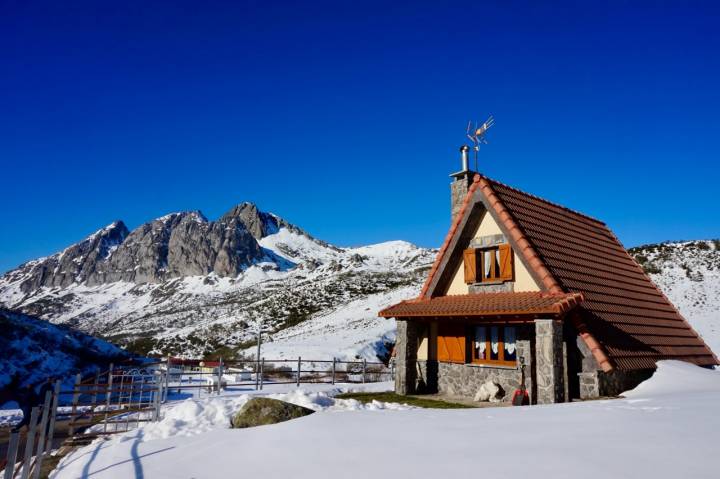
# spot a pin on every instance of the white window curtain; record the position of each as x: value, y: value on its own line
x: 487, y: 263
x: 494, y: 343
x: 480, y: 341
x: 510, y: 339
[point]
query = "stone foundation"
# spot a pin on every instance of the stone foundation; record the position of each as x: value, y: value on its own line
x: 597, y: 384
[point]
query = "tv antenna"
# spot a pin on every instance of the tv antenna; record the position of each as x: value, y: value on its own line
x: 476, y: 134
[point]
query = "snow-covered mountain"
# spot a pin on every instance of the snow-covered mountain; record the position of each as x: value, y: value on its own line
x: 688, y: 272
x: 182, y: 284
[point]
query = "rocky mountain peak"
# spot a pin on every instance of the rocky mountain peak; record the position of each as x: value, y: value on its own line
x: 258, y: 223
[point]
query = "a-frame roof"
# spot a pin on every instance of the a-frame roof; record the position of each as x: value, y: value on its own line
x: 624, y: 319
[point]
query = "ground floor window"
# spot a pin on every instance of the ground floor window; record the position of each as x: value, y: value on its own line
x: 494, y: 344
x: 462, y: 343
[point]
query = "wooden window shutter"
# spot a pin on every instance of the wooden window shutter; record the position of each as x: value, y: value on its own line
x: 506, y: 262
x: 470, y: 261
x: 442, y: 350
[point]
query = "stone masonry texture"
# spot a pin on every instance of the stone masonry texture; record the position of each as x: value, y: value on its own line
x: 549, y: 361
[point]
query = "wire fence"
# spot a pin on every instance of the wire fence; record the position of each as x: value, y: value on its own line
x: 122, y: 398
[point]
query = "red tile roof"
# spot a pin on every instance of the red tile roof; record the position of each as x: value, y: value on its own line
x: 487, y: 304
x: 625, y: 320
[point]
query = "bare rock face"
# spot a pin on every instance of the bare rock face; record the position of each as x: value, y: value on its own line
x: 258, y: 223
x: 175, y: 245
x: 76, y: 263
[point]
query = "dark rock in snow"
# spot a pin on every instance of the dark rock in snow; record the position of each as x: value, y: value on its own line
x: 264, y: 411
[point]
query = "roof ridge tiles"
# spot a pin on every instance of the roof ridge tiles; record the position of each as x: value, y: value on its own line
x: 551, y: 203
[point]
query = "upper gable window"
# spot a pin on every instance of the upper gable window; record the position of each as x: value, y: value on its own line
x: 492, y: 264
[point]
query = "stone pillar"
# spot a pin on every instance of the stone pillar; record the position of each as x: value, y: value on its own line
x: 549, y: 361
x: 406, y: 357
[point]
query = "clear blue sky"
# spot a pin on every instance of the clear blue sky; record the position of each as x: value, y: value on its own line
x: 345, y: 117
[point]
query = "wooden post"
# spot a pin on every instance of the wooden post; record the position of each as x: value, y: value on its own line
x: 364, y: 369
x: 298, y: 371
x: 75, y: 399
x: 53, y: 416
x: 40, y: 451
x: 12, y: 455
x: 333, y: 370
x: 257, y: 374
x: 108, y: 396
x: 220, y: 375
x: 262, y: 368
x: 30, y: 442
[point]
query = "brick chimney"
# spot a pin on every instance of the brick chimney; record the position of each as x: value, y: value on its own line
x: 460, y: 184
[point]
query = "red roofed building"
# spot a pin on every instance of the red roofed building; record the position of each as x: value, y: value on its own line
x: 525, y: 290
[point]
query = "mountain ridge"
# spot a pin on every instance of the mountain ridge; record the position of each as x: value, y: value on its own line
x: 168, y: 296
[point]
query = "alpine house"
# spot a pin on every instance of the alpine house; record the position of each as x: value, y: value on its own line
x: 527, y: 291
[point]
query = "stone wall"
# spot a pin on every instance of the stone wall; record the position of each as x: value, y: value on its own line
x: 601, y: 384
x: 465, y: 379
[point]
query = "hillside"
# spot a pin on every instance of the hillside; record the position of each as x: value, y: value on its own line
x: 35, y: 350
x: 688, y: 272
x: 148, y: 290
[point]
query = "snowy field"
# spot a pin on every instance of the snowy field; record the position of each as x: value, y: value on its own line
x: 668, y: 427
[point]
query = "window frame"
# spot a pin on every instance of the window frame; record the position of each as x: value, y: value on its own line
x: 502, y: 267
x: 488, y: 344
x: 494, y: 264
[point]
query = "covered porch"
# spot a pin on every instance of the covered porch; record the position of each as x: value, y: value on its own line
x: 451, y: 345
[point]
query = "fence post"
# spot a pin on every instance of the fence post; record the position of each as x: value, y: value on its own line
x: 262, y: 368
x: 108, y: 396
x: 12, y: 455
x: 75, y: 399
x: 257, y: 374
x: 333, y: 370
x: 30, y: 442
x: 220, y: 375
x: 298, y: 371
x: 40, y: 451
x: 53, y: 415
x: 364, y: 369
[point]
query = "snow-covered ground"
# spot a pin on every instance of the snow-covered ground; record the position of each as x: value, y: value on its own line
x: 666, y: 428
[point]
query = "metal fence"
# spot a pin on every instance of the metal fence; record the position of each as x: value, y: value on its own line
x: 213, y: 376
x: 120, y: 399
x: 115, y: 400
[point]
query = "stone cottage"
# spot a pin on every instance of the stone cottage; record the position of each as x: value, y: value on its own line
x: 525, y: 288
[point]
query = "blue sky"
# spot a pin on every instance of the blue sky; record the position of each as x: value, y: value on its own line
x: 345, y: 117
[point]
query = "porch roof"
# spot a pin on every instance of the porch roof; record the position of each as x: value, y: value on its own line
x: 486, y: 304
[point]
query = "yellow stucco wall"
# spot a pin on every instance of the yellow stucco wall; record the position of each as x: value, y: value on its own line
x: 523, y: 280
x: 428, y: 343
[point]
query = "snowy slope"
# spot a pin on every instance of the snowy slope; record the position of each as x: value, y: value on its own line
x: 688, y: 272
x: 667, y: 428
x: 34, y: 350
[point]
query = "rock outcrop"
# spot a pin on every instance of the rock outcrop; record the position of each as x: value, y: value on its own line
x: 175, y: 245
x: 264, y: 411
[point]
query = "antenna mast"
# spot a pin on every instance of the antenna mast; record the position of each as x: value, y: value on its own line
x: 477, y: 133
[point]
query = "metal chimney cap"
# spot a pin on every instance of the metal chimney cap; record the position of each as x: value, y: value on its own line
x: 464, y: 148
